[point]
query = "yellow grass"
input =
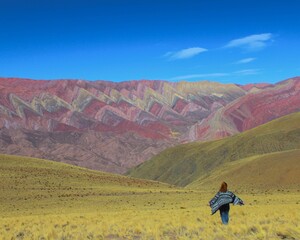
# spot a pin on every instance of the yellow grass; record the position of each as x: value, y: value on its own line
x: 46, y: 200
x: 161, y: 216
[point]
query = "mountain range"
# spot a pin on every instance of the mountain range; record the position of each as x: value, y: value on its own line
x: 114, y: 126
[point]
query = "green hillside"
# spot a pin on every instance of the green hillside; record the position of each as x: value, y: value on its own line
x: 183, y: 164
x: 280, y: 170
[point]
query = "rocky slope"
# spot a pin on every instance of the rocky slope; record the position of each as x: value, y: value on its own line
x: 115, y: 126
x: 258, y: 106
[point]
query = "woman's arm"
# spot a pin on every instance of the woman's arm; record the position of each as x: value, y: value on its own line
x: 214, y: 199
x: 237, y: 201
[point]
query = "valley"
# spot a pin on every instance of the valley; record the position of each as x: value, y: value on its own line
x: 43, y: 199
x: 168, y: 184
x: 136, y: 120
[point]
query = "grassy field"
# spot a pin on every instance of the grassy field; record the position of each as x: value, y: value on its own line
x: 181, y: 165
x: 41, y: 199
x: 179, y: 219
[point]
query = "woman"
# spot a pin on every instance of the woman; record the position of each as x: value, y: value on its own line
x: 221, y: 202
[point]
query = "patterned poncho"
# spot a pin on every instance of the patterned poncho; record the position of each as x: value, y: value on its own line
x: 222, y: 198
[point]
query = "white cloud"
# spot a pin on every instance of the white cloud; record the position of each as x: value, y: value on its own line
x: 252, y: 42
x: 184, y: 53
x: 168, y: 54
x: 247, y: 72
x: 205, y: 75
x: 245, y: 60
x: 244, y: 72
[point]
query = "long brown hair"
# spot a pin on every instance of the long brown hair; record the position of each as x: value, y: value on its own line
x: 223, y: 187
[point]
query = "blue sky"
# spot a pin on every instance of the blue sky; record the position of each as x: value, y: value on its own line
x: 230, y: 41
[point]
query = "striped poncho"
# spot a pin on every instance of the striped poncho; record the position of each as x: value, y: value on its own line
x: 222, y: 198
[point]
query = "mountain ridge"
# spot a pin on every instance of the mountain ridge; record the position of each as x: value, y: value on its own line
x: 156, y: 114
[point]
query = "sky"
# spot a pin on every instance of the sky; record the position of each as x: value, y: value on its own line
x: 228, y: 41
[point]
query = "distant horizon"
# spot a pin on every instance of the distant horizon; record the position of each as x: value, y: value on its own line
x: 137, y: 80
x: 118, y: 40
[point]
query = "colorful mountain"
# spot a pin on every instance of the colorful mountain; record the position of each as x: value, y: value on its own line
x: 258, y: 106
x: 115, y: 126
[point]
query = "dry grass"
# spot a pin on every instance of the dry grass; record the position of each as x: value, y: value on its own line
x: 46, y: 200
x: 181, y: 215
